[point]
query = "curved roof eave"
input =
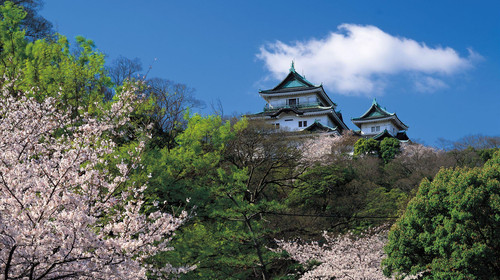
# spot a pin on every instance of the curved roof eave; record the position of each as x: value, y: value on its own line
x: 393, y: 117
x: 298, y: 91
x: 320, y: 125
x: 402, y: 123
x: 385, y: 132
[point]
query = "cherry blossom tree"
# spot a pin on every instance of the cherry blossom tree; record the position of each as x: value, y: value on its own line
x: 347, y: 256
x: 66, y: 211
x: 321, y: 148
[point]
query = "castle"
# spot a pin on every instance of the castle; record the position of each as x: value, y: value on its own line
x: 295, y: 104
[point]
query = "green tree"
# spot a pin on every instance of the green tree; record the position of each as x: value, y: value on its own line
x: 451, y: 229
x: 12, y: 41
x: 36, y: 26
x: 77, y: 79
x: 79, y: 76
x: 366, y: 147
x: 234, y: 175
x: 271, y: 163
x: 389, y: 148
x: 324, y: 190
x: 386, y: 149
x: 186, y: 176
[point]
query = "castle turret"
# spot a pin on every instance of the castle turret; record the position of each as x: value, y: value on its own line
x: 378, y: 123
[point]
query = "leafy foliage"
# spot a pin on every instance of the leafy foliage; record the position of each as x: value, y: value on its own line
x: 76, y: 79
x: 389, y: 148
x: 327, y: 190
x: 35, y: 26
x: 12, y: 40
x: 451, y: 228
x: 233, y: 174
x: 243, y: 183
x: 366, y: 147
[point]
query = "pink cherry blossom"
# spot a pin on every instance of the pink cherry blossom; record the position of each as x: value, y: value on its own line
x: 62, y: 212
x: 320, y: 148
x: 347, y: 256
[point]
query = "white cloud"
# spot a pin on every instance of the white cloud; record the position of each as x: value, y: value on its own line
x: 429, y: 84
x: 357, y: 60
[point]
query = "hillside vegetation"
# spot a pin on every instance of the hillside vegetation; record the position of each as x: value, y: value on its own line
x: 120, y: 180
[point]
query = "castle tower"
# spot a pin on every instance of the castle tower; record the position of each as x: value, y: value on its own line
x: 296, y: 104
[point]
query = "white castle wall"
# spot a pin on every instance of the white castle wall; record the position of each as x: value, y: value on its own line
x: 366, y: 128
x: 290, y: 121
x: 282, y: 101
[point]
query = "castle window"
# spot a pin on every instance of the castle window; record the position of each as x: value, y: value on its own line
x: 377, y: 128
x: 292, y: 102
x: 302, y: 123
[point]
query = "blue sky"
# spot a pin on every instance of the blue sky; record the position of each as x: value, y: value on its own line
x: 435, y: 63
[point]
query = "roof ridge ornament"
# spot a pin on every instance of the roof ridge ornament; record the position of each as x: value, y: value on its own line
x: 292, y: 68
x: 374, y: 102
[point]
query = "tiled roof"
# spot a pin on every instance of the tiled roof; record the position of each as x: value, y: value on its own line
x: 292, y: 81
x: 375, y: 112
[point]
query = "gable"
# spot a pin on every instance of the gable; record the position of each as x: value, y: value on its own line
x: 293, y: 83
x: 376, y: 113
x: 293, y: 80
